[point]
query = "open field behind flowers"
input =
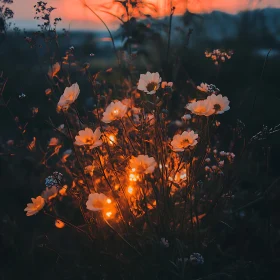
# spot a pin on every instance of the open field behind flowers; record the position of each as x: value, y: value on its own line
x: 154, y: 167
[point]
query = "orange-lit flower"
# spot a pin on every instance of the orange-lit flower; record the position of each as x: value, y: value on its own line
x: 59, y: 224
x: 89, y: 169
x: 219, y: 103
x: 184, y: 140
x: 166, y: 84
x: 143, y: 164
x: 34, y: 207
x: 89, y: 138
x: 53, y: 141
x: 114, y: 111
x: 53, y: 70
x: 97, y: 201
x: 68, y: 97
x: 149, y: 82
x: 201, y: 108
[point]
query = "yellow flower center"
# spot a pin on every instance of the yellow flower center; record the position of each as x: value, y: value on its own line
x: 115, y: 112
x: 88, y: 140
x: 152, y: 86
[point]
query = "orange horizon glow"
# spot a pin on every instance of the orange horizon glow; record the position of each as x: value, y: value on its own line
x: 73, y: 12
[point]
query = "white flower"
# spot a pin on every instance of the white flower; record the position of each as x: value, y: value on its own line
x: 183, y: 141
x: 97, y: 201
x: 34, y: 207
x: 89, y: 138
x: 68, y: 97
x: 219, y: 103
x: 149, y: 82
x: 143, y: 164
x: 203, y: 87
x: 221, y: 163
x: 222, y: 153
x: 114, y: 111
x: 201, y: 108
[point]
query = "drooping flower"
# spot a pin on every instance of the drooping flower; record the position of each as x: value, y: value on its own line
x: 201, y: 108
x: 183, y: 141
x: 115, y: 110
x: 53, y: 70
x: 149, y: 82
x: 34, y: 207
x: 68, y: 97
x: 219, y: 103
x: 143, y: 164
x: 89, y: 138
x: 97, y: 201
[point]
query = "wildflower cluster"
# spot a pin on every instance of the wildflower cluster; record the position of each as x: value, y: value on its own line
x: 125, y: 162
x: 219, y: 56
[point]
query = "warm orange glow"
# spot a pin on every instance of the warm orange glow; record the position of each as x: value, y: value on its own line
x: 59, y: 224
x: 130, y: 190
x: 133, y: 177
x: 63, y: 190
x: 109, y: 214
x: 112, y: 139
x: 73, y: 12
x: 109, y: 200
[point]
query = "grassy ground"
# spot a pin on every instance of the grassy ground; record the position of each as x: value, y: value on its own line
x: 252, y: 87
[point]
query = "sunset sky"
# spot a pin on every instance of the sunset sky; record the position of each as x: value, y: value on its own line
x: 74, y: 13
